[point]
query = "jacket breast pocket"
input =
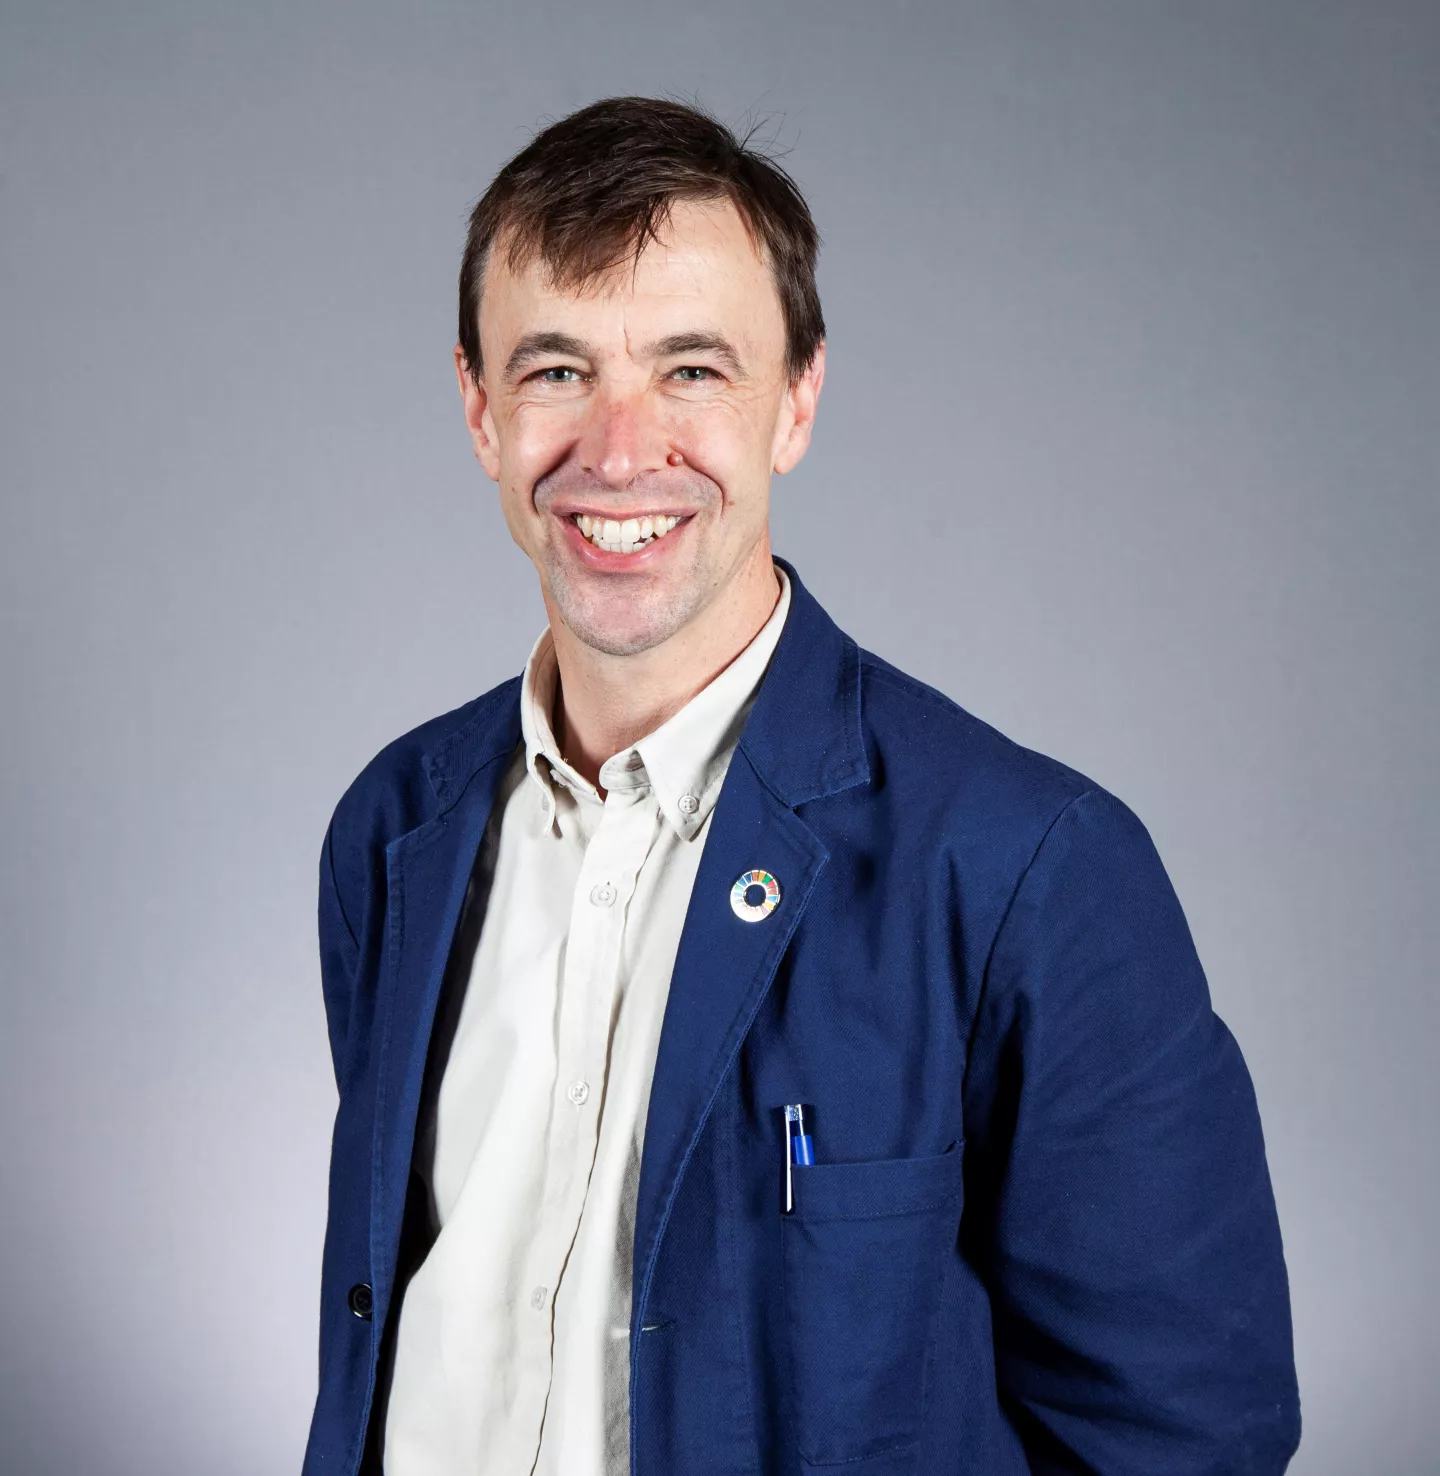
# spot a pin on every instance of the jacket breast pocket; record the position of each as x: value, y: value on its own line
x: 864, y: 1250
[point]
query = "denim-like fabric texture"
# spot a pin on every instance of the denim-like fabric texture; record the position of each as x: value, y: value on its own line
x: 1039, y: 1234
x: 863, y: 1248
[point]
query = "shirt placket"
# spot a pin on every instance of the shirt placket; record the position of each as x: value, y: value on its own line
x: 590, y: 978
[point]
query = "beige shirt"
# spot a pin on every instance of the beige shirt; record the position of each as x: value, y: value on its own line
x: 513, y: 1352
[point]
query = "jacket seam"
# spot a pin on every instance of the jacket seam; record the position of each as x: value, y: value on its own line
x: 935, y: 701
x: 335, y: 888
x: 1004, y: 922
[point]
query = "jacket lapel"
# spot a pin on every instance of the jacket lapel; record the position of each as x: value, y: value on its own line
x: 427, y: 873
x: 723, y: 969
x: 802, y: 740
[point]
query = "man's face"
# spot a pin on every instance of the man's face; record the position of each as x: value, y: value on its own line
x: 645, y: 413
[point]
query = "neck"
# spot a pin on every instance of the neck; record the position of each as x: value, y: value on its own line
x: 606, y: 702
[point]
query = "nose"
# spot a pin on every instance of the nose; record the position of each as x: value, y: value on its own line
x: 622, y: 439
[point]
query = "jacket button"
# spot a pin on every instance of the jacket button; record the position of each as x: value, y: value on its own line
x: 362, y: 1300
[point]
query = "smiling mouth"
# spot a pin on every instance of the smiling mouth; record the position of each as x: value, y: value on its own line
x: 625, y: 536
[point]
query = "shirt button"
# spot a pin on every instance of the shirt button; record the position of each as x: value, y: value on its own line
x: 537, y: 1298
x: 578, y: 1093
x: 689, y: 803
x: 602, y: 894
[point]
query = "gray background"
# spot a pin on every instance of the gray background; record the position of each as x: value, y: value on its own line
x: 1129, y: 443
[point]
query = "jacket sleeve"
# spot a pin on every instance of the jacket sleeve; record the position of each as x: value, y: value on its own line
x: 1128, y: 1228
x: 339, y: 953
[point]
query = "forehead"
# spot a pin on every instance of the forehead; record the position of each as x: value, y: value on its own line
x: 705, y: 270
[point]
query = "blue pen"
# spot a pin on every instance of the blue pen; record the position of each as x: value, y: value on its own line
x: 799, y: 1149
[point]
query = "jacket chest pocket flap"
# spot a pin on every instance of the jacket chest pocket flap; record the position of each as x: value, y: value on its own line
x: 864, y: 1249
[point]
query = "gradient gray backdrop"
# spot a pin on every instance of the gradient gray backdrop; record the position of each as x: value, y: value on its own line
x: 1129, y: 443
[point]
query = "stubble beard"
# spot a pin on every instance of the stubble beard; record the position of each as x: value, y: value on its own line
x: 622, y: 623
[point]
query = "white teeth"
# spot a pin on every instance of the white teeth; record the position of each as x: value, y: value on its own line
x: 626, y: 536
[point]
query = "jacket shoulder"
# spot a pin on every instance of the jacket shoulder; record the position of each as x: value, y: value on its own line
x: 977, y: 788
x: 979, y: 806
x: 913, y: 728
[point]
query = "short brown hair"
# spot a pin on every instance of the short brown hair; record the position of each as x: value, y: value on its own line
x: 596, y: 188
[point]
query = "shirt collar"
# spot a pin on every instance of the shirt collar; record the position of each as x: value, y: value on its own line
x: 683, y: 760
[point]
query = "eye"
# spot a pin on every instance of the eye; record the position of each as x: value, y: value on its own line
x: 694, y: 373
x: 558, y: 374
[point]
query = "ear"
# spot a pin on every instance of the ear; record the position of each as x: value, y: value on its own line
x: 478, y: 417
x: 797, y: 415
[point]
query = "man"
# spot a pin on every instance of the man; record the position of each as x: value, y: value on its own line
x: 749, y: 1061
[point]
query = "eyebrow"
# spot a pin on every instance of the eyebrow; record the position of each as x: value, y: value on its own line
x: 698, y: 343
x: 541, y: 346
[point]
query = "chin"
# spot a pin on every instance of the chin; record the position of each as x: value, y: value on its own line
x: 621, y: 625
x: 625, y: 637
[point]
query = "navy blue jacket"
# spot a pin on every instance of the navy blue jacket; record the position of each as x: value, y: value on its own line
x: 1039, y: 1234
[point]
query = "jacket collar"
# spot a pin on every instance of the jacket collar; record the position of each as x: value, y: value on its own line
x: 491, y: 729
x: 803, y: 735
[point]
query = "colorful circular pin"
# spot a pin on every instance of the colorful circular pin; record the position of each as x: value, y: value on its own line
x: 755, y: 895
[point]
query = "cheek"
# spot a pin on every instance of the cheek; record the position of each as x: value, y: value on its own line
x: 535, y: 438
x: 726, y: 441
